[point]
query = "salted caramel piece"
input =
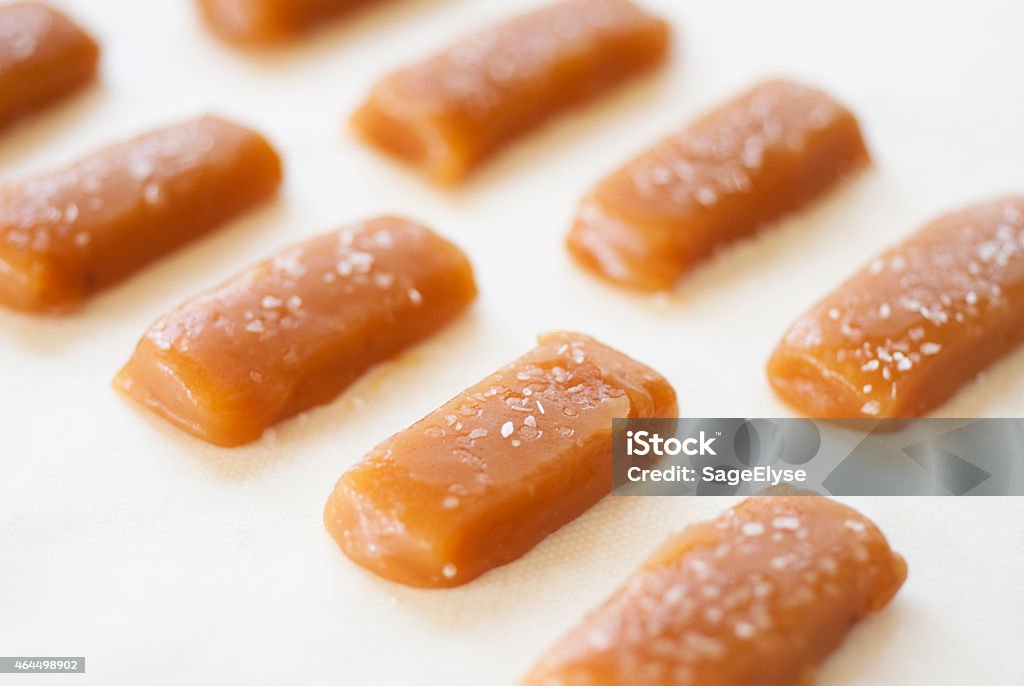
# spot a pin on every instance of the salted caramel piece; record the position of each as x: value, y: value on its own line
x: 293, y: 332
x: 68, y: 234
x: 269, y: 21
x: 761, y: 595
x: 768, y: 152
x: 44, y: 57
x: 484, y: 478
x: 918, y: 322
x: 450, y: 112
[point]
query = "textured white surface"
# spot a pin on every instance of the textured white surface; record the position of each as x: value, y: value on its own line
x: 164, y: 560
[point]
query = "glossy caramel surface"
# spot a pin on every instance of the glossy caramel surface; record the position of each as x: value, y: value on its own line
x: 768, y: 152
x: 919, y: 321
x: 481, y: 480
x: 269, y: 21
x: 447, y: 114
x: 70, y: 233
x: 44, y: 57
x: 294, y: 331
x: 759, y: 596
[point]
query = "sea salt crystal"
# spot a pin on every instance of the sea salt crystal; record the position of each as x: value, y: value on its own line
x: 789, y: 523
x: 744, y: 630
x: 854, y: 525
x: 752, y: 529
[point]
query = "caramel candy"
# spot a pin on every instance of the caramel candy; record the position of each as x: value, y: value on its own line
x: 922, y: 319
x: 770, y: 151
x: 761, y: 595
x: 484, y: 478
x: 44, y: 57
x: 71, y: 233
x: 296, y: 330
x: 269, y: 21
x: 449, y: 113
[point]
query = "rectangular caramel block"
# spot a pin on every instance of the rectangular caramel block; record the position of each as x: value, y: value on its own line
x: 768, y: 152
x: 293, y: 332
x: 44, y: 57
x: 761, y: 595
x: 70, y: 233
x: 449, y: 113
x: 269, y: 21
x: 908, y: 330
x: 484, y: 478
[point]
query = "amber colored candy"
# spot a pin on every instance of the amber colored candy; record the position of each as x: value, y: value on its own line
x: 484, y: 478
x: 269, y: 21
x: 918, y: 322
x: 760, y: 595
x: 73, y: 232
x: 768, y: 152
x: 44, y: 57
x: 293, y: 332
x: 447, y: 114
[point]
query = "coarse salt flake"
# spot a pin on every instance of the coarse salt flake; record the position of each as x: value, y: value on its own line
x: 786, y: 522
x: 752, y: 528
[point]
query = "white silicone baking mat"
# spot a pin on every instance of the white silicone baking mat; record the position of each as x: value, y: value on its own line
x: 167, y: 561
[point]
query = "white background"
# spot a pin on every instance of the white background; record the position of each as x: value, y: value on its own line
x: 164, y: 560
